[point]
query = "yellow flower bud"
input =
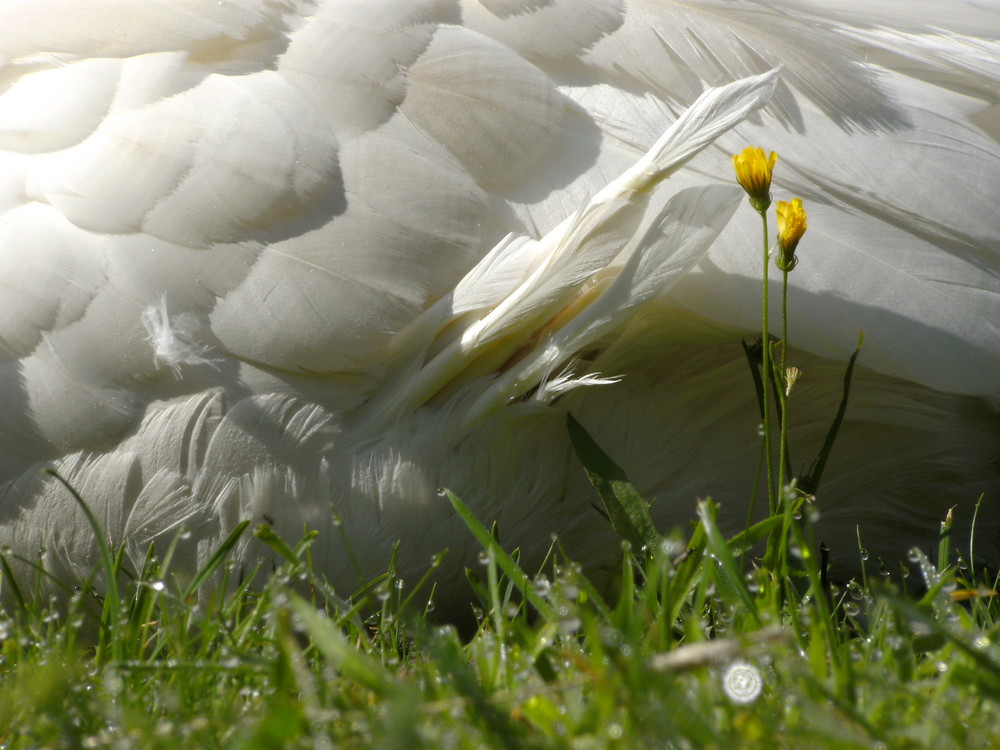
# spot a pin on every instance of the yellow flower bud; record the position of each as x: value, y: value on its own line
x: 753, y: 172
x: 791, y: 227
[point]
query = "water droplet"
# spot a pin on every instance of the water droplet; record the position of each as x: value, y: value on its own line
x: 863, y: 553
x: 670, y: 548
x: 611, y: 636
x: 570, y: 625
x: 742, y: 682
x: 542, y: 586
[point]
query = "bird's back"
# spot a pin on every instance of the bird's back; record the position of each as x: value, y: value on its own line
x: 307, y: 263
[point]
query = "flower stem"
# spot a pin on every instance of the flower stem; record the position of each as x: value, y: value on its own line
x: 782, y: 389
x: 766, y: 339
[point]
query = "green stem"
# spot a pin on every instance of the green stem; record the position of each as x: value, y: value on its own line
x: 782, y: 385
x: 766, y: 337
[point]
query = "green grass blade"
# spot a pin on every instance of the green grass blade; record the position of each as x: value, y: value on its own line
x: 506, y: 563
x: 266, y: 534
x: 333, y: 644
x: 216, y: 559
x: 627, y: 509
x: 110, y: 619
x: 732, y: 577
x: 753, y: 359
x: 11, y: 582
x: 811, y: 484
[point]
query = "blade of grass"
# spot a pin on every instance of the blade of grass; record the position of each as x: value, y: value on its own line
x: 811, y: 484
x: 216, y: 559
x: 627, y: 509
x: 507, y: 565
x: 717, y: 545
x: 334, y: 646
x: 110, y: 619
x: 11, y: 582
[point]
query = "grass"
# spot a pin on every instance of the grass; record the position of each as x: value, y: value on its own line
x: 554, y: 662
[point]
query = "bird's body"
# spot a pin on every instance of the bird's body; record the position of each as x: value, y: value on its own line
x: 255, y: 263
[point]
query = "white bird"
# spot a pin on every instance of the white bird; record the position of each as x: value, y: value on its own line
x: 310, y: 262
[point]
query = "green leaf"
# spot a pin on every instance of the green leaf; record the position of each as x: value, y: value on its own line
x: 333, y: 644
x: 627, y: 509
x: 266, y: 534
x: 729, y: 574
x: 811, y: 483
x: 216, y: 559
x: 111, y: 617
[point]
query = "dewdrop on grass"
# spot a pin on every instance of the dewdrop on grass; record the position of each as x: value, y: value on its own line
x: 742, y: 682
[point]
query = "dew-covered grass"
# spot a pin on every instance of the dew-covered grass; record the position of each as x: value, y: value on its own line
x: 693, y: 649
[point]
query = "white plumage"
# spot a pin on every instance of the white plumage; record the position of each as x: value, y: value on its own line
x: 312, y: 261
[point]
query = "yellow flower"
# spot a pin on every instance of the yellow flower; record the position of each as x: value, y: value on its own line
x: 791, y: 227
x: 753, y: 172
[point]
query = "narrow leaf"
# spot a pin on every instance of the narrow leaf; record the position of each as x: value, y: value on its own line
x: 627, y: 509
x: 506, y: 563
x: 812, y: 483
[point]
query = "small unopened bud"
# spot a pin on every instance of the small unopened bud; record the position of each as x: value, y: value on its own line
x: 792, y: 375
x: 948, y: 521
x: 791, y: 227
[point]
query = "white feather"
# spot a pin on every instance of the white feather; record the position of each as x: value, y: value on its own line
x: 385, y: 224
x: 174, y: 342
